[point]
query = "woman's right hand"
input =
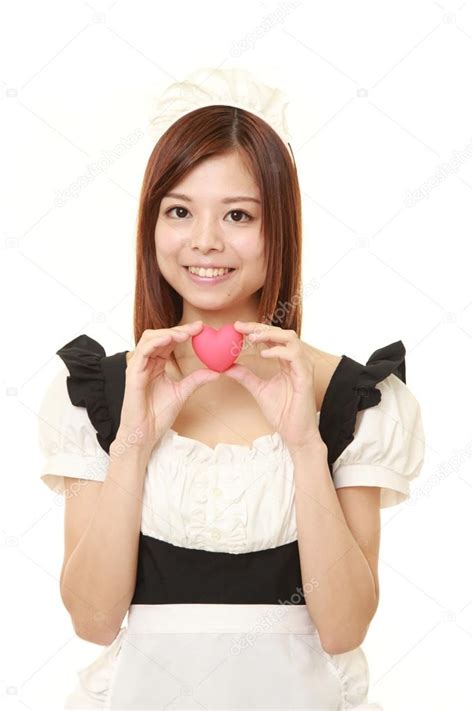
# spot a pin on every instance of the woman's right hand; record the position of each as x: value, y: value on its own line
x: 152, y: 401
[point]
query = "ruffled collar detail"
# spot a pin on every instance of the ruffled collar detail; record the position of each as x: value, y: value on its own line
x: 199, y: 452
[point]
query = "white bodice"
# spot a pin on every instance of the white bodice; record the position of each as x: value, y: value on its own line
x: 236, y: 498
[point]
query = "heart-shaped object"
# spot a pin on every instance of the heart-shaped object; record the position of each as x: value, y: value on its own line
x: 218, y: 348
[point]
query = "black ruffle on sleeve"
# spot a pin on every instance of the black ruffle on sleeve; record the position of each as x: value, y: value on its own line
x: 382, y: 362
x: 355, y: 389
x: 86, y: 383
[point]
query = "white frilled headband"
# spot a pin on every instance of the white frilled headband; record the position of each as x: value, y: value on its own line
x: 232, y: 87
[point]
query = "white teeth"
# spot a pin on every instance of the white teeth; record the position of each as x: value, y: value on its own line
x: 200, y: 271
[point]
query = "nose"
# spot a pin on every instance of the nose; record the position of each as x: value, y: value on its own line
x: 206, y: 236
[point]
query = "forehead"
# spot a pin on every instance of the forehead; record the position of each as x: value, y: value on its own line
x: 218, y: 178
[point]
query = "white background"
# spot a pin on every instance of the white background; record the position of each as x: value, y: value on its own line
x: 379, y: 119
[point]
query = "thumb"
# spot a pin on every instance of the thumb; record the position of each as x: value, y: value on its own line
x: 245, y: 377
x: 194, y: 380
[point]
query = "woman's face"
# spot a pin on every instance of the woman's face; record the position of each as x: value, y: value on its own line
x: 213, y: 218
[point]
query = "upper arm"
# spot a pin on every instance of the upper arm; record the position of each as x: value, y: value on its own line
x: 360, y: 504
x: 387, y: 449
x: 376, y: 468
x: 74, y: 464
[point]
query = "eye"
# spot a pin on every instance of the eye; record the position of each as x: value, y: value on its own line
x: 178, y: 207
x: 232, y: 212
x: 240, y: 212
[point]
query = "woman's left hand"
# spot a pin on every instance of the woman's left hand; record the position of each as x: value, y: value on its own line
x: 287, y: 399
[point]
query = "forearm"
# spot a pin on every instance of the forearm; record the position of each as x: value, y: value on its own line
x: 339, y: 587
x: 99, y: 578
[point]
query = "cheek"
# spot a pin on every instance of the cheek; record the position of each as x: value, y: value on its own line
x: 252, y: 256
x: 167, y: 249
x: 252, y: 247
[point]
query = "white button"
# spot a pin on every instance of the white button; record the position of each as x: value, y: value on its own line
x: 215, y: 533
x: 217, y: 491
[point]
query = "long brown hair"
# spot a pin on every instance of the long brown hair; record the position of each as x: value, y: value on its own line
x: 200, y: 134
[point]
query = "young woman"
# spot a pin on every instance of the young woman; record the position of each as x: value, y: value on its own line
x: 235, y: 516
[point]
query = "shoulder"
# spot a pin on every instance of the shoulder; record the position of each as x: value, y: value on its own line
x: 371, y: 422
x: 67, y: 437
x: 324, y: 365
x: 385, y: 444
x: 96, y: 382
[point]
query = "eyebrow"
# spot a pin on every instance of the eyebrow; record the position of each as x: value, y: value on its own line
x: 237, y: 198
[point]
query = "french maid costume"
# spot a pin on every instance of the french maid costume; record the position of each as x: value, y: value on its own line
x: 218, y: 618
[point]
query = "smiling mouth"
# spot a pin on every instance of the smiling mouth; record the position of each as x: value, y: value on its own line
x: 208, y: 277
x: 209, y: 272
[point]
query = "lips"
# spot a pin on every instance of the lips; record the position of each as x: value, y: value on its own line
x: 197, y: 266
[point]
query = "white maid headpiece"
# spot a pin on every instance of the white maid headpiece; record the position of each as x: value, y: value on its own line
x: 233, y: 87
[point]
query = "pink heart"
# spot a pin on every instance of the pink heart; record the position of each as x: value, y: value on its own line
x: 218, y: 348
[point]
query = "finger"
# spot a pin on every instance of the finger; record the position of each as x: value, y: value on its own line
x: 290, y: 362
x: 150, y: 346
x: 186, y: 330
x: 276, y: 335
x: 251, y: 329
x: 277, y: 352
x: 247, y: 326
x: 246, y: 377
x: 145, y: 350
x: 261, y: 339
x: 193, y: 328
x: 171, y: 338
x: 156, y: 347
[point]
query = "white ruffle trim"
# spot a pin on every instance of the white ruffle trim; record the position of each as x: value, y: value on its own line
x: 220, y: 499
x: 95, y: 680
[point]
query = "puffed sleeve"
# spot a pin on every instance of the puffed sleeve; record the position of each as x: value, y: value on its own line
x: 73, y: 419
x: 388, y: 445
